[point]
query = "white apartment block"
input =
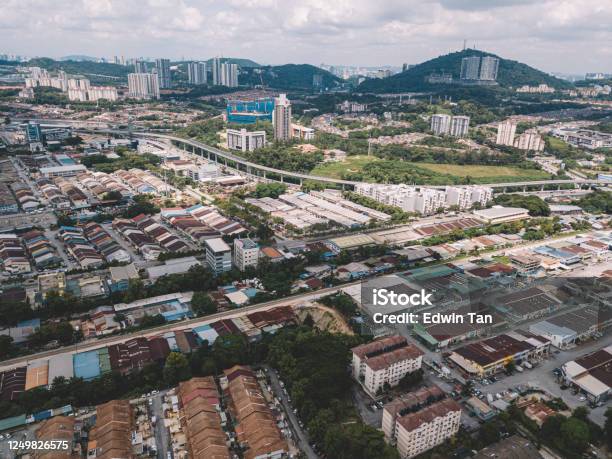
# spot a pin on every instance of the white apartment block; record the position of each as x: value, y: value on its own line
x: 143, y: 86
x: 246, y: 253
x: 425, y: 429
x: 281, y: 118
x: 459, y: 126
x: 93, y: 94
x: 245, y: 140
x: 529, y: 140
x: 196, y: 72
x: 302, y: 132
x: 505, y: 133
x: 229, y: 75
x: 384, y: 361
x: 481, y: 195
x: 440, y: 124
x: 458, y: 196
x: 429, y: 201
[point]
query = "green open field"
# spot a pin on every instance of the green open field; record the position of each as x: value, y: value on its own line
x: 336, y: 169
x: 479, y: 174
x: 476, y: 171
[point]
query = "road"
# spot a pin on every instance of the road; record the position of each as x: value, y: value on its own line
x: 162, y: 436
x: 299, y: 434
x: 186, y: 324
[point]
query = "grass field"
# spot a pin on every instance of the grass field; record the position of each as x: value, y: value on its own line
x: 476, y: 171
x: 479, y: 174
x: 336, y: 169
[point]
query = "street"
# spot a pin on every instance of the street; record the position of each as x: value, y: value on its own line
x: 162, y: 437
x: 299, y: 433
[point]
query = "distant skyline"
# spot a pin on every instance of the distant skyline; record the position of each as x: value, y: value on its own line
x: 555, y: 36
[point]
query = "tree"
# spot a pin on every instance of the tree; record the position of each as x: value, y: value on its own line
x: 608, y: 427
x: 176, y: 369
x: 575, y: 435
x: 6, y: 347
x: 202, y: 304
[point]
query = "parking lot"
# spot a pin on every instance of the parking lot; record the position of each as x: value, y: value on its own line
x: 543, y: 378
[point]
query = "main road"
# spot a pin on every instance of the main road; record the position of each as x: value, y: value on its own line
x: 182, y: 325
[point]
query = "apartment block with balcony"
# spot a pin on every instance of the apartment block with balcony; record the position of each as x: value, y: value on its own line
x: 384, y: 362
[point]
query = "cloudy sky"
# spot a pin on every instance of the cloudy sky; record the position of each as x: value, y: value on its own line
x: 572, y: 36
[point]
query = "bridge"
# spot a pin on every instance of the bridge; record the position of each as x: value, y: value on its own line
x: 269, y: 173
x: 255, y: 170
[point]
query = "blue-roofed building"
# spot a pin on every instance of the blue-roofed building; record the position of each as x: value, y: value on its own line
x: 86, y: 365
x: 22, y: 331
x: 567, y: 258
x: 251, y: 111
x: 206, y: 333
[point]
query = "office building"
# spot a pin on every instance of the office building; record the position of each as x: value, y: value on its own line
x: 140, y: 67
x: 440, y: 124
x: 488, y: 68
x: 218, y: 255
x: 250, y: 111
x: 216, y: 71
x: 281, y: 118
x: 505, y: 133
x: 470, y: 67
x: 229, y: 75
x: 529, y: 140
x: 459, y: 126
x: 245, y: 140
x: 246, y: 253
x: 163, y: 73
x: 196, y: 72
x: 143, y: 86
x: 384, y: 362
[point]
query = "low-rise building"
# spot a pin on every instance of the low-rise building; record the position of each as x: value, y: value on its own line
x: 591, y: 374
x: 424, y: 429
x: 245, y: 140
x: 490, y: 356
x: 384, y: 362
x: 499, y: 214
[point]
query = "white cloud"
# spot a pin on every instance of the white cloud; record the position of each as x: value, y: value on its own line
x: 334, y: 31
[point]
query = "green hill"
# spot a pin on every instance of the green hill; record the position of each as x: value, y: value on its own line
x: 288, y: 76
x: 510, y: 74
x: 86, y: 68
x: 242, y: 63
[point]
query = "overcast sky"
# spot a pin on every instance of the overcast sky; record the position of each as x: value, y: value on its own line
x: 572, y: 36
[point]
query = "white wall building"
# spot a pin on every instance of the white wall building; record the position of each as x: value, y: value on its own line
x: 218, y: 255
x: 203, y: 172
x: 459, y: 126
x: 440, y: 123
x: 384, y: 361
x: 505, y: 133
x: 143, y: 86
x: 302, y: 132
x: 420, y: 431
x: 246, y: 253
x: 281, y: 118
x: 196, y: 72
x: 245, y: 140
x: 229, y: 75
x: 529, y: 140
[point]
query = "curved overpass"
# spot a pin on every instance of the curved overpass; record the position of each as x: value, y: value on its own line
x: 215, y: 154
x: 271, y: 173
